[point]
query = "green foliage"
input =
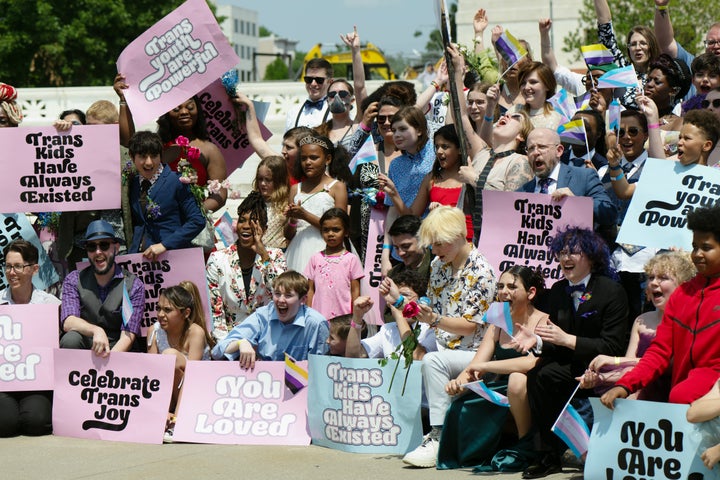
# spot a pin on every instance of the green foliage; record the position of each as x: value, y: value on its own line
x: 277, y: 70
x: 264, y: 32
x: 434, y: 44
x: 60, y: 43
x: 690, y: 18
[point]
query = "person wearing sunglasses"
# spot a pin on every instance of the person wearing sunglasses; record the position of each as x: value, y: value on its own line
x: 24, y: 413
x: 92, y: 303
x: 314, y: 111
x: 712, y: 101
x: 341, y: 98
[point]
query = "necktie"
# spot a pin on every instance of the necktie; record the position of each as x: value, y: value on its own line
x: 480, y: 185
x: 627, y: 168
x: 544, y: 184
x: 144, y: 188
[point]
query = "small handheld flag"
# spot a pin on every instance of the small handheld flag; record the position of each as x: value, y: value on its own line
x: 564, y: 104
x: 596, y: 54
x: 127, y: 306
x: 573, y: 132
x: 296, y: 377
x: 572, y: 429
x: 614, y: 116
x: 498, y: 314
x: 510, y: 48
x: 619, y: 78
x: 491, y: 396
x: 366, y: 154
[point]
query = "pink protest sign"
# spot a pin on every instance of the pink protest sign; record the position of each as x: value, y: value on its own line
x: 60, y: 171
x: 124, y: 397
x: 223, y: 403
x: 28, y: 334
x: 519, y: 227
x: 371, y: 281
x: 231, y: 139
x: 173, y: 60
x: 171, y: 268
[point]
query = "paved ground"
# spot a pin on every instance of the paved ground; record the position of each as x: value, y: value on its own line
x: 61, y: 458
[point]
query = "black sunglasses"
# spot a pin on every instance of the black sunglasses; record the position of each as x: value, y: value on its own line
x: 318, y: 80
x: 706, y: 103
x: 343, y: 94
x: 381, y: 119
x: 90, y: 247
x: 631, y: 131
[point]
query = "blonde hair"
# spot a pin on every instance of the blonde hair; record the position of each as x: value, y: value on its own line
x: 677, y: 264
x: 103, y: 111
x: 443, y: 225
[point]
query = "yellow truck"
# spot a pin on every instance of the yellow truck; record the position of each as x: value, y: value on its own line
x: 376, y: 67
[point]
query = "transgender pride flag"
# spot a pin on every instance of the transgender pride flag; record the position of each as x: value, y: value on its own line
x: 498, y: 314
x: 572, y: 429
x: 127, y: 308
x: 614, y: 116
x: 366, y: 154
x: 510, y: 49
x: 619, y: 78
x: 488, y: 394
x: 564, y: 104
x: 596, y: 54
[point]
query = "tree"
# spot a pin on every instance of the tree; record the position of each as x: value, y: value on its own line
x: 264, y: 32
x: 277, y: 70
x: 60, y: 43
x: 690, y: 18
x: 434, y: 44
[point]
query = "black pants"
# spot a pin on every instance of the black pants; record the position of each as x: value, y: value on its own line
x: 25, y: 413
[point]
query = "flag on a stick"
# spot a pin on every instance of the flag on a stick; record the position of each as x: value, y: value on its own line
x: 596, y: 54
x: 510, y: 48
x: 366, y: 154
x: 573, y: 132
x: 624, y: 77
x: 498, y: 314
x: 296, y: 377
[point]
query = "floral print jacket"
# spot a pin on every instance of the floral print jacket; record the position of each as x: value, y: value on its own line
x: 230, y: 304
x: 467, y: 294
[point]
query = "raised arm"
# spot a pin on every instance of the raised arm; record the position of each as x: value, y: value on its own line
x: 664, y: 29
x: 257, y: 142
x: 546, y: 51
x: 423, y: 100
x: 493, y: 95
x: 480, y: 23
x: 352, y: 40
x: 475, y: 142
x: 127, y: 125
x: 602, y: 11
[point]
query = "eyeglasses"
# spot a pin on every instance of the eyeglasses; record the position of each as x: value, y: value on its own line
x: 711, y: 43
x: 318, y: 80
x: 383, y: 118
x: 343, y: 94
x: 631, y: 131
x: 90, y: 247
x: 568, y: 253
x: 18, y: 268
x: 540, y: 148
x: 589, y: 77
x: 706, y: 103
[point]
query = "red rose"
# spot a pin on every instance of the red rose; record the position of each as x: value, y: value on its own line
x: 411, y: 310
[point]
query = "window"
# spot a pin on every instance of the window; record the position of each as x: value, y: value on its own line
x: 242, y: 27
x: 235, y: 29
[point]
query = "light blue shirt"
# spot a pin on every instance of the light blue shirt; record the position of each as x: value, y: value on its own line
x: 307, y: 334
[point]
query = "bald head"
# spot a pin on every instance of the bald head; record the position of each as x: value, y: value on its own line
x: 544, y: 151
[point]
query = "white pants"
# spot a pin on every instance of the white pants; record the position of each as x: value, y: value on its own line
x: 438, y: 368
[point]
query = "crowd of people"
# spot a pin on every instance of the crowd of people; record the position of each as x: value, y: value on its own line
x: 625, y: 321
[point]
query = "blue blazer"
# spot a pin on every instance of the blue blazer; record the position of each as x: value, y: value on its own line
x: 597, y: 160
x: 584, y: 182
x: 180, y: 218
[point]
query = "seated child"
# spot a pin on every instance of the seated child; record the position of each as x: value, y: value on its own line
x: 285, y: 325
x: 337, y: 339
x: 411, y: 286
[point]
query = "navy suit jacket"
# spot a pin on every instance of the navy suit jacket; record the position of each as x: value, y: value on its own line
x: 584, y: 182
x: 180, y: 218
x: 598, y: 160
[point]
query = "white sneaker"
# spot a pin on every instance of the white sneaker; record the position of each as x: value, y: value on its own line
x: 424, y: 456
x: 168, y: 437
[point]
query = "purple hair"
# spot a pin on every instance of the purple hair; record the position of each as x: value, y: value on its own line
x: 590, y: 244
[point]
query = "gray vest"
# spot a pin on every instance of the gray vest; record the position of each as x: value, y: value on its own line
x: 107, y: 314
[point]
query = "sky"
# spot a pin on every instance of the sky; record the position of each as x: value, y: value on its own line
x: 389, y: 24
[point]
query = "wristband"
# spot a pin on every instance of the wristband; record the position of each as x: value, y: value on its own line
x: 436, y: 322
x: 615, y: 167
x: 122, y: 102
x: 488, y: 119
x: 365, y: 128
x: 399, y: 302
x: 293, y: 223
x: 617, y: 360
x: 239, y: 341
x: 386, y: 246
x: 619, y: 177
x: 355, y: 325
x: 653, y: 125
x: 478, y: 39
x: 436, y: 85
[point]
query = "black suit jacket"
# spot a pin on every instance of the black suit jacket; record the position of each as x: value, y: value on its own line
x: 600, y: 322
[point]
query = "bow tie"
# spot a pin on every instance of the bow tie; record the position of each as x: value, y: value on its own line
x: 580, y: 287
x: 315, y: 105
